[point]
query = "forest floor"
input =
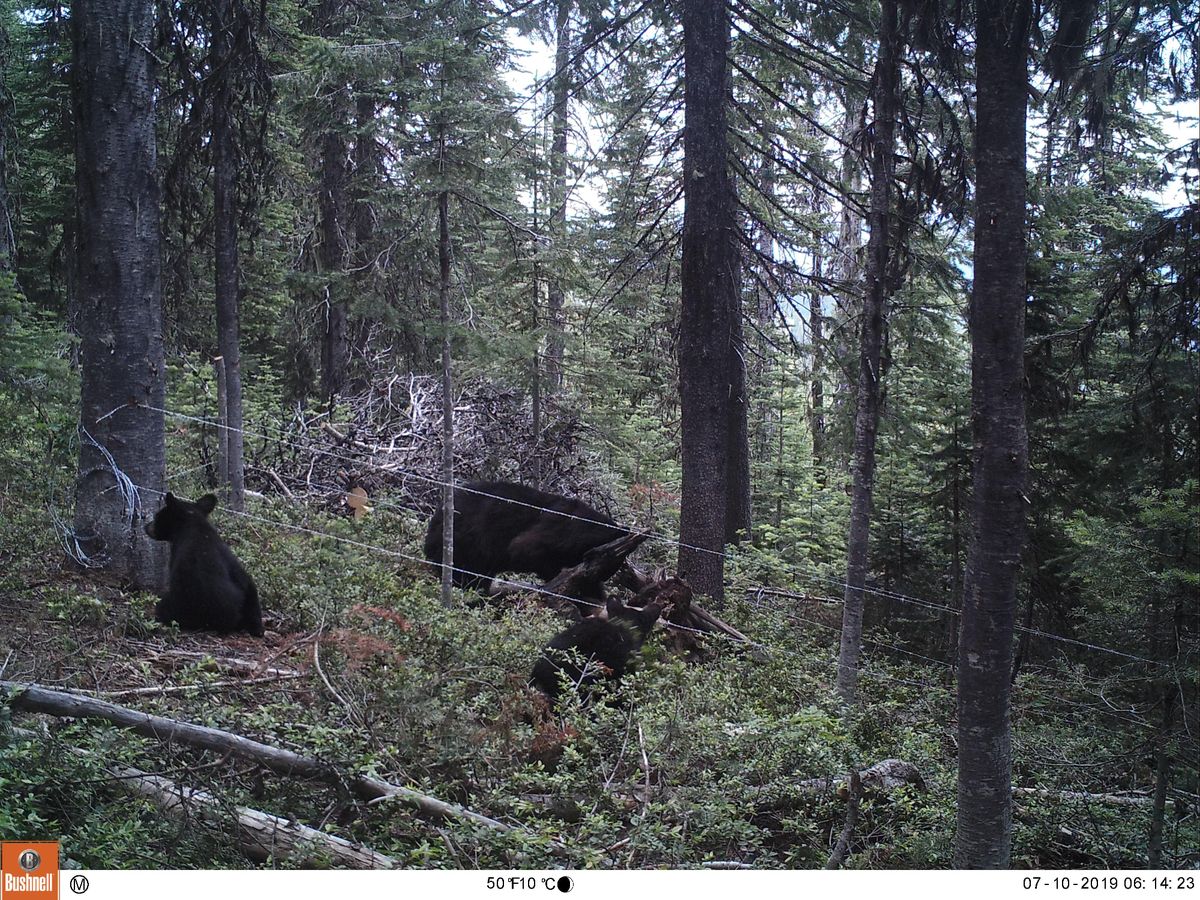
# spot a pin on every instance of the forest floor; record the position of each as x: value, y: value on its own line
x: 701, y: 762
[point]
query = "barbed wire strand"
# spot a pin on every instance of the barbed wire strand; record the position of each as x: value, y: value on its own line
x: 810, y: 577
x: 865, y: 669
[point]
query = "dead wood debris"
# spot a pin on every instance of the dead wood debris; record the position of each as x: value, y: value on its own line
x: 387, y: 440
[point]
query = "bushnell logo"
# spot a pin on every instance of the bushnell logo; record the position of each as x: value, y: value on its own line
x: 30, y: 871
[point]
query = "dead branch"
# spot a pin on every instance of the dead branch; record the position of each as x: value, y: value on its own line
x: 228, y: 664
x: 274, y: 476
x: 842, y: 849
x: 35, y: 698
x: 156, y: 690
x: 791, y: 595
x: 261, y: 836
x: 883, y: 777
x: 1107, y: 799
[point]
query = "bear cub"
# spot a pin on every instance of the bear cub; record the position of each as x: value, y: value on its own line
x: 506, y: 533
x: 207, y: 587
x: 602, y: 644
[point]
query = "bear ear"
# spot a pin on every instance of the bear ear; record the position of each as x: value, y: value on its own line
x: 612, y: 609
x: 170, y: 499
x: 207, y: 503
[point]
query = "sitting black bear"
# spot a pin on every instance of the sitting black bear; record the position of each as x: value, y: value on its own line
x: 517, y: 529
x: 595, y: 649
x: 207, y: 587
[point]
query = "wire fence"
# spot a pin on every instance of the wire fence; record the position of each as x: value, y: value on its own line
x: 809, y: 577
x: 754, y: 598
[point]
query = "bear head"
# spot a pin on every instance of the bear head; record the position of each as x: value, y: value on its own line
x: 177, y: 515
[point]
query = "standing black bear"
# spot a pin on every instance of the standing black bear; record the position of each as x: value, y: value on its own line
x: 207, y: 588
x: 595, y: 649
x: 493, y: 535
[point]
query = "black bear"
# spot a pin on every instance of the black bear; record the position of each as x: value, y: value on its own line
x: 595, y: 649
x: 207, y: 587
x: 516, y: 529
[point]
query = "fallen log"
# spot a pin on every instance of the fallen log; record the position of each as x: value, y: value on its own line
x: 882, y: 777
x: 261, y: 836
x: 1084, y: 797
x: 157, y: 690
x: 35, y: 698
x: 886, y: 775
x: 232, y: 665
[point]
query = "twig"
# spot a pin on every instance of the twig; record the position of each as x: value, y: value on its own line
x: 842, y: 849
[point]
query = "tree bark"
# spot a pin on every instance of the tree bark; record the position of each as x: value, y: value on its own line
x: 708, y: 331
x: 367, y: 166
x: 556, y: 293
x: 817, y: 325
x: 738, y: 517
x: 335, y: 348
x: 983, y: 837
x: 8, y: 243
x: 118, y: 286
x: 225, y: 228
x: 875, y: 297
x: 447, y: 383
x: 335, y: 177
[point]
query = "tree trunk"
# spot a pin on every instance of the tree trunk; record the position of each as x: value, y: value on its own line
x: 222, y: 421
x: 983, y: 837
x: 367, y: 166
x: 738, y: 519
x: 335, y: 176
x: 875, y: 297
x: 225, y: 228
x: 8, y: 243
x: 764, y: 291
x: 952, y: 618
x: 447, y: 385
x: 119, y: 287
x: 556, y: 295
x: 708, y: 332
x: 335, y: 348
x: 846, y: 268
x: 817, y: 326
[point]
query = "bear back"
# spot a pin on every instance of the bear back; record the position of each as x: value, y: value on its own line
x: 595, y: 649
x: 500, y: 526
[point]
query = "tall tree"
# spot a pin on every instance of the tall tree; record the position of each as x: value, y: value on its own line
x: 7, y: 233
x: 874, y: 311
x: 225, y: 250
x: 118, y: 284
x: 709, y: 327
x: 443, y: 206
x: 983, y: 837
x: 556, y: 293
x: 332, y: 201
